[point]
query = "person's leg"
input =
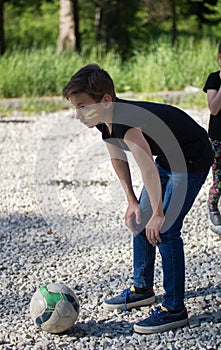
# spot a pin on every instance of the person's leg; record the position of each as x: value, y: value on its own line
x: 171, y: 247
x: 141, y: 293
x: 215, y: 190
x: 172, y: 313
x: 144, y: 252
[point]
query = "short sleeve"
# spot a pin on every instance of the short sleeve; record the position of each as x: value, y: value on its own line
x: 212, y: 82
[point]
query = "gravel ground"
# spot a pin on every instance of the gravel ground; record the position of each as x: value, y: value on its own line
x: 62, y: 212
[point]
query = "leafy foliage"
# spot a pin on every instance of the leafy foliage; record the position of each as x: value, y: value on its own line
x: 42, y: 72
x: 123, y: 25
x: 131, y: 39
x: 32, y: 25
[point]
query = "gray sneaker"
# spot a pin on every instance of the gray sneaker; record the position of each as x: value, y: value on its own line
x: 215, y: 231
x: 129, y: 299
x: 215, y: 217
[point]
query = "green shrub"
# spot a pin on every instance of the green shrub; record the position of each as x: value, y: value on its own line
x: 42, y: 72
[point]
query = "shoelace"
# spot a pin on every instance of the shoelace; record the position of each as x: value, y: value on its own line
x: 159, y: 310
x: 125, y: 294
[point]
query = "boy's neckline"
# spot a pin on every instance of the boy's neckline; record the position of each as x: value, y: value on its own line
x: 109, y: 128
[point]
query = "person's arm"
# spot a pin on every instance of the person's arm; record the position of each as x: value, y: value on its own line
x: 150, y: 175
x: 122, y: 170
x: 214, y: 100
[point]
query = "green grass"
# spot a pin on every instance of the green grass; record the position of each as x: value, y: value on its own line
x: 42, y: 72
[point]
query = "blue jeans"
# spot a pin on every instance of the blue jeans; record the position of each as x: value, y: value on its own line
x: 171, y: 247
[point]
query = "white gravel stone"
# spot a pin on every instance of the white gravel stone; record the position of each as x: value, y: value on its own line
x: 62, y: 212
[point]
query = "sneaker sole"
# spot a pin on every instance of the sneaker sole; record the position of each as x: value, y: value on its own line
x: 112, y: 307
x: 162, y: 328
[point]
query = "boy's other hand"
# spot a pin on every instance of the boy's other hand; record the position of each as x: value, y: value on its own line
x: 133, y: 216
x: 153, y: 229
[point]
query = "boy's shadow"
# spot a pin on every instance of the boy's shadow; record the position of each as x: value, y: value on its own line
x: 203, y: 291
x: 205, y: 317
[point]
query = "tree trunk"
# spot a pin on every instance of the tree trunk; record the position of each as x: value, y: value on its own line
x: 101, y: 22
x: 112, y: 22
x: 2, y: 35
x: 174, y: 22
x: 76, y: 25
x: 66, y: 40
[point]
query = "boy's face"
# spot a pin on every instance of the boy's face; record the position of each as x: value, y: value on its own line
x: 88, y: 111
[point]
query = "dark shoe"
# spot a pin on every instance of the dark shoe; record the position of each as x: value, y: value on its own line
x: 129, y: 298
x: 161, y: 320
x: 215, y: 218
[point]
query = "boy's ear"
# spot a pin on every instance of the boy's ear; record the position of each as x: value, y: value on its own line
x: 107, y: 99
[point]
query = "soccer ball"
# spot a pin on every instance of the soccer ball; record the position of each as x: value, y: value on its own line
x: 54, y: 308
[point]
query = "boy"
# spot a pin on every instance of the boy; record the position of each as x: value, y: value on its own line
x: 171, y: 181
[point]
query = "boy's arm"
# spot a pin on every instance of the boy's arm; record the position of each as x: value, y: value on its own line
x: 214, y: 99
x: 150, y: 175
x: 122, y: 170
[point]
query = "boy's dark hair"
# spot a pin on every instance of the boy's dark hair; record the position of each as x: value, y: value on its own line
x: 92, y: 80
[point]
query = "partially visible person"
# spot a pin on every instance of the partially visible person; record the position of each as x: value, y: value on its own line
x: 212, y: 88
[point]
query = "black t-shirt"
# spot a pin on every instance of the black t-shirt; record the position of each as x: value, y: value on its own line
x: 173, y: 136
x: 213, y: 83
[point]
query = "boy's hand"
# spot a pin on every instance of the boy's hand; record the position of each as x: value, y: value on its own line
x: 133, y: 216
x: 153, y: 229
